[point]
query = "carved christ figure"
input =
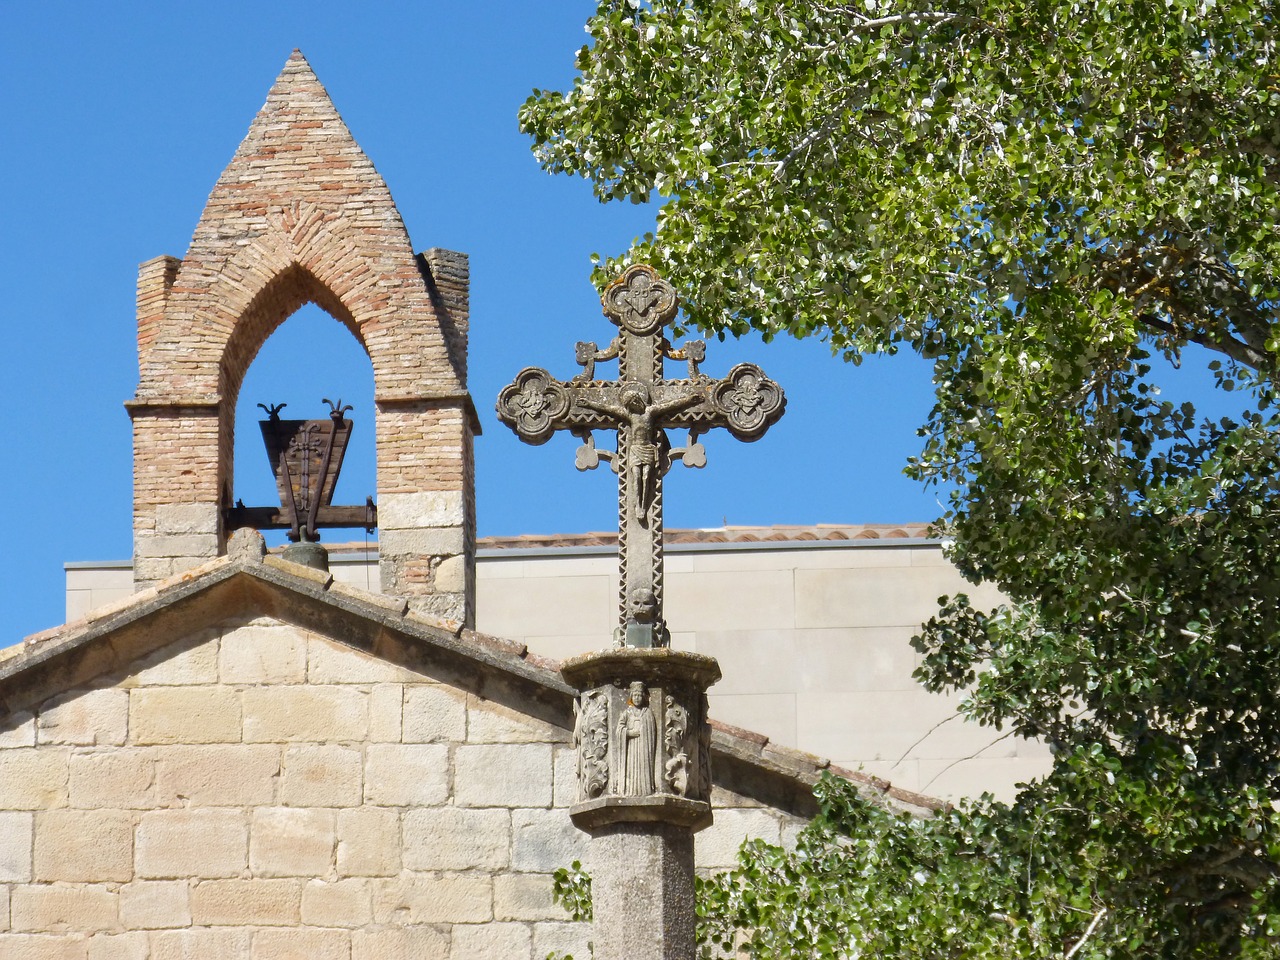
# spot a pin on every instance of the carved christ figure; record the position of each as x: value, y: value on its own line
x: 646, y: 442
x: 634, y: 748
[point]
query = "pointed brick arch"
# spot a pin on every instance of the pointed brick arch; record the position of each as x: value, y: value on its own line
x: 278, y: 300
x: 300, y: 216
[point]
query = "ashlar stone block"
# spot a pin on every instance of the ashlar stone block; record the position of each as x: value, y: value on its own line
x: 418, y: 543
x: 16, y: 844
x: 368, y: 842
x: 55, y: 908
x: 189, y: 662
x: 89, y: 846
x: 400, y: 943
x: 187, y: 518
x: 434, y: 713
x: 386, y: 710
x: 456, y: 838
x: 184, y: 715
x: 490, y: 940
x: 43, y: 947
x: 119, y: 946
x: 301, y: 944
x: 263, y: 653
x: 18, y: 730
x: 314, y: 713
x: 209, y: 843
x: 291, y: 842
x: 400, y: 775
x: 199, y: 944
x: 327, y: 775
x: 33, y: 779
x: 434, y: 898
x: 216, y: 775
x: 490, y: 722
x: 333, y: 662
x: 120, y: 779
x: 190, y: 549
x: 503, y: 775
x: 543, y: 841
x: 85, y: 718
x: 339, y: 903
x: 428, y: 508
x: 451, y: 575
x: 229, y: 903
x: 525, y: 896
x: 155, y: 904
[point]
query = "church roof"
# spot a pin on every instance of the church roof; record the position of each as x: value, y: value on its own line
x: 246, y: 582
x: 777, y: 534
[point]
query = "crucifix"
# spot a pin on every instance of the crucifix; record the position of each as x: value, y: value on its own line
x: 641, y: 405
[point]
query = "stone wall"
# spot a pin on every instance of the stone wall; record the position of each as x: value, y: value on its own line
x: 258, y: 791
x: 813, y: 638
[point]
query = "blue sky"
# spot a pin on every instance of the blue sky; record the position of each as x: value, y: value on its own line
x: 118, y: 119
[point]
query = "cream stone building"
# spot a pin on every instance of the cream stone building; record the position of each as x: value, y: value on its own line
x: 811, y: 626
x: 227, y: 754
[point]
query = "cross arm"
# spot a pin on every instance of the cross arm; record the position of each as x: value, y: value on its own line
x: 745, y: 402
x: 535, y: 405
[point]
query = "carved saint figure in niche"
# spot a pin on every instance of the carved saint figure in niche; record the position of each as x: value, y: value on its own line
x: 634, y: 747
x: 591, y: 738
x: 647, y: 443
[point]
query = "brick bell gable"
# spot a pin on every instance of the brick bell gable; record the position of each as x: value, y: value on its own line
x: 301, y: 215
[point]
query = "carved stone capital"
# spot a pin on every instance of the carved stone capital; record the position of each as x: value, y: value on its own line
x: 642, y: 738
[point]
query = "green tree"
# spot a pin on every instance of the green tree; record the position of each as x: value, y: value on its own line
x: 1038, y: 196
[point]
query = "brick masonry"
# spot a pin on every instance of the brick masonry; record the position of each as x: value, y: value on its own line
x: 300, y: 215
x: 256, y: 790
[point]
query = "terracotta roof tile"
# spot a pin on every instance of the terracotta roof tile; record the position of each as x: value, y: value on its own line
x: 774, y: 534
x: 821, y: 532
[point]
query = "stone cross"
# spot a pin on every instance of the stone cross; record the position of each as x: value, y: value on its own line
x: 640, y: 405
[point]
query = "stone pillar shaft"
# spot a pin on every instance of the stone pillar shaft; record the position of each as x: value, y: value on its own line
x: 642, y: 891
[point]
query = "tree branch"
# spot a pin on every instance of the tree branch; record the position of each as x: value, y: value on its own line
x: 1237, y: 350
x: 862, y: 22
x: 1093, y: 925
x: 818, y: 134
x: 1162, y: 275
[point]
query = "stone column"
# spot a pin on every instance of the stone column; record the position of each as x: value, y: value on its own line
x: 644, y: 788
